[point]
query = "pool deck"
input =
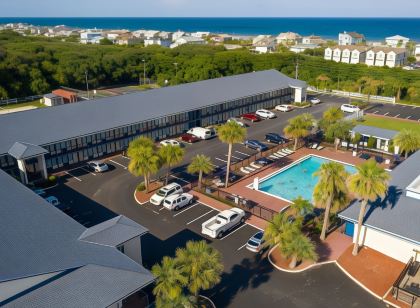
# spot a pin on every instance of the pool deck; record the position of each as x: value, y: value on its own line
x: 240, y: 188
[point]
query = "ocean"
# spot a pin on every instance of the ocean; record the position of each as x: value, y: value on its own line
x: 373, y: 28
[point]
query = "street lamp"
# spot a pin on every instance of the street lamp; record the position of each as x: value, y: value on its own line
x: 144, y: 70
x: 87, y: 84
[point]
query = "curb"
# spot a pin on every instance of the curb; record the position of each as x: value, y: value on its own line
x: 207, y: 298
x: 135, y: 198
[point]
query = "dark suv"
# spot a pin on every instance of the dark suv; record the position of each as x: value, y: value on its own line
x: 275, y: 138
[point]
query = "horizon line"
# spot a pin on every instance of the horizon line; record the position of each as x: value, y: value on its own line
x: 261, y: 17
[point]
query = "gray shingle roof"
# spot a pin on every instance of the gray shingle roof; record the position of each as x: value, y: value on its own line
x: 23, y: 150
x: 89, y: 286
x: 375, y: 131
x: 113, y: 232
x: 397, y: 213
x: 36, y: 238
x: 47, y: 125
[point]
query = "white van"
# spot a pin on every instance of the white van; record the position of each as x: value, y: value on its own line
x: 166, y: 191
x: 202, y: 133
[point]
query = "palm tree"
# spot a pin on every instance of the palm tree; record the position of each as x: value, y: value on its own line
x: 338, y: 131
x: 332, y: 115
x: 299, y: 127
x: 368, y: 183
x: 230, y: 133
x: 299, y: 248
x: 201, y: 264
x: 143, y: 159
x: 300, y: 207
x: 408, y: 141
x: 200, y: 164
x: 323, y: 79
x: 170, y: 155
x: 331, y: 191
x: 170, y: 281
x: 279, y: 229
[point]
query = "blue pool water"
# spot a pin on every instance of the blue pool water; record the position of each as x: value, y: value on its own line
x: 298, y: 180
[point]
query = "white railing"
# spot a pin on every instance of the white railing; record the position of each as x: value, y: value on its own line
x: 386, y: 99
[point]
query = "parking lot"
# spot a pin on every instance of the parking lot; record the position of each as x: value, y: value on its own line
x: 396, y: 111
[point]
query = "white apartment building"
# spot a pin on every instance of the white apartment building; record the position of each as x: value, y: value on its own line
x: 313, y: 39
x: 397, y: 41
x: 91, y: 36
x: 298, y: 48
x: 146, y: 33
x: 350, y: 38
x: 157, y: 41
x: 391, y: 57
x: 177, y: 35
x: 200, y: 34
x: 188, y: 40
x: 417, y: 51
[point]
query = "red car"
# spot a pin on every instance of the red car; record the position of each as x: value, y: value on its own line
x: 250, y: 117
x: 189, y: 138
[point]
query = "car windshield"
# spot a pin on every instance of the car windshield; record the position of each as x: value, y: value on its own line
x: 161, y: 193
x: 167, y: 202
x: 101, y: 165
x: 252, y: 243
x: 259, y: 235
x: 221, y: 219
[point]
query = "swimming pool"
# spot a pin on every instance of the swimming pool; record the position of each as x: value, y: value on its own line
x: 297, y: 179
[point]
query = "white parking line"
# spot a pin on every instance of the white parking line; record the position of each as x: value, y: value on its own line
x: 199, y: 217
x: 247, y: 155
x: 188, y: 208
x: 241, y: 247
x: 386, y: 113
x: 397, y: 116
x: 175, y: 177
x: 121, y: 165
x: 155, y: 212
x: 233, y: 232
x: 403, y: 106
x: 414, y: 107
x: 225, y: 161
x: 73, y: 176
x: 408, y: 117
x: 234, y: 157
x: 88, y: 171
x: 125, y: 157
x: 214, y: 165
x: 162, y: 208
x: 376, y: 111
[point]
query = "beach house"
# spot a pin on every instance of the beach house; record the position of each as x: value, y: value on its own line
x: 397, y: 41
x: 350, y: 38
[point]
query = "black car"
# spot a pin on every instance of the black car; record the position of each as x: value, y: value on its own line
x: 275, y: 138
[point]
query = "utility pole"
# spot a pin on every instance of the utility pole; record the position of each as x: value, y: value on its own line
x: 297, y: 68
x: 87, y: 83
x: 144, y: 71
x: 338, y: 83
x: 176, y: 70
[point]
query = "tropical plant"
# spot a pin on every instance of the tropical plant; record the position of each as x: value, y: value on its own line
x: 333, y: 114
x: 299, y: 127
x: 201, y: 264
x: 331, y: 191
x: 408, y: 141
x: 143, y: 159
x: 279, y: 229
x: 323, y: 80
x: 368, y: 183
x: 230, y: 133
x: 298, y: 248
x: 170, y: 155
x: 200, y: 164
x: 300, y: 207
x: 338, y: 131
x: 170, y: 281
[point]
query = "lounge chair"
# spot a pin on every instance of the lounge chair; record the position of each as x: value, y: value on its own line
x: 254, y: 165
x: 289, y: 151
x: 364, y: 156
x: 273, y: 157
x: 249, y: 169
x: 243, y: 170
x: 320, y: 148
x: 314, y: 146
x: 280, y: 153
x: 284, y: 152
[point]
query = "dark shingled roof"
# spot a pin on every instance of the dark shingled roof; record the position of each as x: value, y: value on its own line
x: 375, y: 131
x: 396, y: 214
x: 48, y: 125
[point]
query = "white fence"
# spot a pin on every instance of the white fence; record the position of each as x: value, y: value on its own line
x: 357, y: 95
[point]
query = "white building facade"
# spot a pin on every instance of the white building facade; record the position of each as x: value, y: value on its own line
x: 350, y: 38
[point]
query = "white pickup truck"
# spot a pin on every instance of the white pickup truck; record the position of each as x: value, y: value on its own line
x: 218, y: 225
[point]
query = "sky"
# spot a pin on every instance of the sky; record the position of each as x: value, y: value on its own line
x: 210, y: 8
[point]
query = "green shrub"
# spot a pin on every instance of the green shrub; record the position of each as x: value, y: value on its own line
x: 302, y: 104
x: 141, y: 186
x: 360, y: 104
x: 52, y: 179
x: 371, y: 142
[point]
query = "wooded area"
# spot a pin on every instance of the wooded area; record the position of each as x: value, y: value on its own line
x: 35, y: 65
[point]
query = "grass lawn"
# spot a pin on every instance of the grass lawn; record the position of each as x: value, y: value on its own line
x: 35, y: 103
x: 393, y: 124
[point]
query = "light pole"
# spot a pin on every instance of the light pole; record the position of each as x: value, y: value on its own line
x: 176, y: 70
x: 144, y: 70
x: 87, y: 83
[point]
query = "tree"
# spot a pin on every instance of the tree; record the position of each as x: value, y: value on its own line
x: 200, y: 164
x: 230, y: 133
x: 105, y: 41
x: 368, y: 183
x: 408, y: 141
x: 170, y: 281
x: 330, y: 116
x: 331, y: 191
x: 299, y: 248
x: 170, y: 155
x: 338, y: 131
x: 323, y: 80
x: 411, y: 60
x: 299, y: 127
x: 201, y: 264
x: 300, y: 207
x: 143, y: 159
x: 279, y: 229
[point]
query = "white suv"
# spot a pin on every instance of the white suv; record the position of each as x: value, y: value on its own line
x: 349, y: 108
x: 175, y: 202
x: 265, y: 114
x: 166, y: 191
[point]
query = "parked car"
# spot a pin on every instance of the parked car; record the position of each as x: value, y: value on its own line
x: 275, y: 138
x: 237, y: 121
x: 170, y: 142
x: 256, y: 145
x: 202, y: 133
x: 349, y: 108
x: 52, y: 200
x: 97, y: 166
x: 255, y: 243
x: 218, y: 225
x: 175, y: 202
x: 250, y: 117
x: 284, y: 108
x: 265, y: 114
x: 189, y: 138
x: 166, y: 191
x: 315, y: 101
